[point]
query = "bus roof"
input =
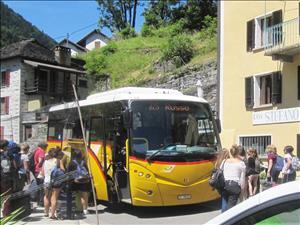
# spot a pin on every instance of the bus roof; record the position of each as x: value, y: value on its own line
x: 130, y: 93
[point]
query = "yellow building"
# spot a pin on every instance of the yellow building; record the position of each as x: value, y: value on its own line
x: 259, y: 73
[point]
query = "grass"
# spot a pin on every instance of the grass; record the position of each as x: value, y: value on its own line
x: 132, y: 61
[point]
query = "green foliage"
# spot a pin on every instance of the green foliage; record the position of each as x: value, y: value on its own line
x: 209, y: 29
x: 161, y: 13
x: 179, y: 49
x: 15, y: 28
x: 95, y: 62
x: 109, y: 49
x: 11, y: 218
x: 117, y: 15
x: 147, y: 30
x: 127, y: 32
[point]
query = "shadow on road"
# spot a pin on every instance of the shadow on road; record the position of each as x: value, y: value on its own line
x: 152, y: 212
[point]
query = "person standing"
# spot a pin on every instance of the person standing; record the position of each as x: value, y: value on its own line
x: 243, y: 156
x: 272, y: 173
x: 234, y: 175
x: 289, y: 173
x: 24, y: 164
x: 39, y: 157
x: 222, y: 157
x: 252, y: 172
x: 6, y: 168
x: 51, y: 190
x: 81, y: 184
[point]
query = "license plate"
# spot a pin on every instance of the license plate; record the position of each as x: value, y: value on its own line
x: 184, y: 197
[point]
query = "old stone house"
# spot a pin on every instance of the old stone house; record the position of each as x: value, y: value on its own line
x: 32, y: 78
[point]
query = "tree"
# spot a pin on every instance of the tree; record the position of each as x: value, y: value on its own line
x: 117, y: 15
x: 194, y: 12
x: 159, y: 12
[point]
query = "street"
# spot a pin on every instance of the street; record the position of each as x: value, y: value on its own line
x: 192, y: 214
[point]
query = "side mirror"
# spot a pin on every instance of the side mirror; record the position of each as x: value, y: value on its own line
x: 127, y: 118
x: 218, y: 123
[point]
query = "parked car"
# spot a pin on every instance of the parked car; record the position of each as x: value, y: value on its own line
x: 277, y: 205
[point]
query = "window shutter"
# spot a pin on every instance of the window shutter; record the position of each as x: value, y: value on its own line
x: 250, y: 35
x: 277, y: 17
x: 249, y: 92
x: 7, y: 78
x: 276, y: 87
x: 6, y: 100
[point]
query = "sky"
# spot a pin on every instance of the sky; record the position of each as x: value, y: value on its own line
x: 57, y: 18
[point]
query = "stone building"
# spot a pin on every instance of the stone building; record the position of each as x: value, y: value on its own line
x: 32, y: 78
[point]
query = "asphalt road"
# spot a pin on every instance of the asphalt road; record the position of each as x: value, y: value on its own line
x: 127, y: 214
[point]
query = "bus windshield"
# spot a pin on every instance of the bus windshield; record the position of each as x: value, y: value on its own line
x: 173, y: 131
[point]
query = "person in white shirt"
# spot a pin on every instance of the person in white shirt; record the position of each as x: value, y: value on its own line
x: 289, y: 174
x: 51, y: 191
x: 234, y: 175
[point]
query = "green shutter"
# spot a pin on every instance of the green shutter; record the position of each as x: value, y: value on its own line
x: 249, y: 93
x: 276, y: 87
x: 250, y: 35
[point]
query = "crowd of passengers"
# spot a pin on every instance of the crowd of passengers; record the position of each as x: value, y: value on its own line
x: 242, y: 170
x: 23, y: 168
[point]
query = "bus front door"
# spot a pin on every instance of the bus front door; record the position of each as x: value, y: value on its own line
x: 120, y: 170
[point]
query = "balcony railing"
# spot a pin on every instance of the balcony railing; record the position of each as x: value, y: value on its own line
x: 283, y: 38
x: 41, y: 87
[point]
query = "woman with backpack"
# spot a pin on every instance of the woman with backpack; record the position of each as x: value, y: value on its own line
x: 81, y: 184
x: 272, y: 173
x: 288, y: 171
x: 51, y: 190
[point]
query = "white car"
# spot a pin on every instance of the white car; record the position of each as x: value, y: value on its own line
x: 277, y: 205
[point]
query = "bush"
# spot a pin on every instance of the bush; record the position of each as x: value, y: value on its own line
x: 147, y: 31
x: 95, y: 62
x: 179, y: 49
x: 127, y: 32
x: 209, y: 29
x: 109, y: 49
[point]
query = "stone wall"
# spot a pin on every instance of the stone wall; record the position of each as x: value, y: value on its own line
x: 185, y: 81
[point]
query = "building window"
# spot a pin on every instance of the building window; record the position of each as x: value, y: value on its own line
x: 263, y: 90
x: 82, y: 83
x: 5, y: 78
x: 28, y: 132
x: 258, y: 142
x: 257, y: 37
x: 4, y: 105
x: 97, y: 44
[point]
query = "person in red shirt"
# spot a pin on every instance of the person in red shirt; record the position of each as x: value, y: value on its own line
x: 272, y: 174
x: 39, y: 158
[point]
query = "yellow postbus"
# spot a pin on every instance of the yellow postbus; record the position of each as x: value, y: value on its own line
x: 147, y: 146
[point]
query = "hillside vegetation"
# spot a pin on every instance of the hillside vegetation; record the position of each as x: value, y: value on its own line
x: 15, y: 28
x: 132, y: 59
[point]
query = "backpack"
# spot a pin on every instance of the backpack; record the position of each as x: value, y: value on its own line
x: 295, y: 163
x: 57, y: 175
x: 31, y: 162
x: 81, y: 174
x: 279, y: 163
x: 257, y: 166
x: 6, y: 164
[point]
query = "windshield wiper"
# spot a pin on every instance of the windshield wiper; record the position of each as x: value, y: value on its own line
x: 149, y: 158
